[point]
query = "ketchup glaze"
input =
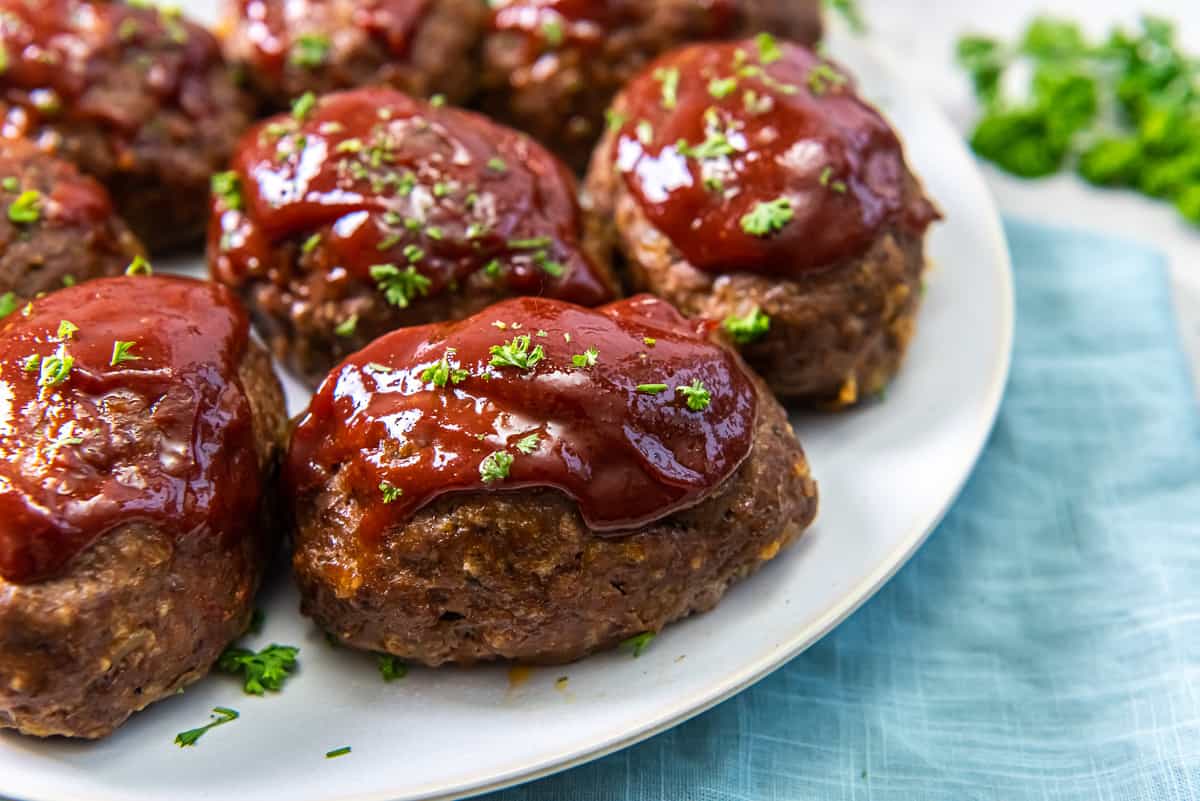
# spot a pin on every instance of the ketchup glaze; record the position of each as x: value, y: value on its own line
x: 758, y: 156
x: 164, y: 435
x: 276, y: 27
x: 60, y: 50
x: 372, y: 176
x: 586, y: 22
x: 611, y: 430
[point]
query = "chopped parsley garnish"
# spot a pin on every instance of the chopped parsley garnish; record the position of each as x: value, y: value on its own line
x: 303, y: 105
x: 555, y: 269
x: 721, y: 88
x: 645, y: 132
x: 768, y: 48
x: 652, y: 389
x: 828, y: 180
x: 68, y: 280
x: 552, y: 32
x: 139, y: 266
x: 266, y: 670
x: 228, y: 187
x: 222, y: 714
x: 413, y: 253
x: 822, y: 77
x: 310, y: 244
x: 347, y: 327
x: 768, y: 217
x: 529, y: 444
x: 391, y: 493
x: 517, y: 354
x: 649, y: 342
x: 10, y: 184
x: 497, y: 164
x: 337, y: 752
x: 715, y: 145
x: 121, y: 353
x: 614, y: 119
x: 495, y: 466
x: 27, y: 208
x: 850, y: 12
x: 441, y: 373
x: 586, y: 359
x: 669, y: 78
x: 492, y: 268
x: 390, y: 667
x: 696, y: 395
x: 66, y: 329
x: 438, y: 100
x: 639, y: 643
x: 399, y: 286
x: 310, y: 50
x: 55, y: 369
x: 530, y: 244
x: 31, y: 363
x: 8, y: 304
x: 751, y: 327
x: 754, y: 103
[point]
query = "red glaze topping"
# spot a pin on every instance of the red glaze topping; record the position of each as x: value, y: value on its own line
x: 600, y: 417
x: 379, y: 178
x: 587, y: 21
x: 277, y: 28
x: 165, y: 435
x: 758, y: 156
x: 66, y: 56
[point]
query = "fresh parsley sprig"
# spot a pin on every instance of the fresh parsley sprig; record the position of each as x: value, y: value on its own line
x: 265, y: 670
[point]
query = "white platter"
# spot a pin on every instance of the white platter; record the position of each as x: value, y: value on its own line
x: 887, y: 473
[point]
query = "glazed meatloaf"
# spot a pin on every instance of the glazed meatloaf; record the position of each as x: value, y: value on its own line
x: 139, y: 429
x: 537, y: 482
x: 58, y: 228
x: 139, y: 98
x: 368, y: 210
x: 551, y: 67
x: 749, y: 185
x: 422, y: 47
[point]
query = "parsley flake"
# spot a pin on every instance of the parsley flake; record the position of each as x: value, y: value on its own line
x: 823, y: 77
x: 639, y: 643
x: 652, y: 389
x: 768, y: 48
x: 309, y: 51
x: 586, y: 359
x: 337, y: 752
x: 55, y: 369
x: 552, y: 32
x: 310, y: 244
x: 495, y: 466
x: 27, y: 208
x: 768, y: 217
x: 441, y: 373
x: 497, y: 164
x: 721, y: 88
x: 516, y: 353
x: 227, y: 187
x: 266, y: 670
x: 303, y: 105
x: 748, y: 328
x: 222, y: 714
x: 529, y: 444
x: 66, y: 329
x: 121, y: 353
x: 347, y: 327
x: 696, y: 395
x: 669, y: 78
x: 391, y: 493
x: 8, y: 304
x: 390, y: 667
x: 399, y: 286
x: 139, y: 266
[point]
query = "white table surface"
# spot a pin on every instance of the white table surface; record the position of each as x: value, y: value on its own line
x: 920, y: 34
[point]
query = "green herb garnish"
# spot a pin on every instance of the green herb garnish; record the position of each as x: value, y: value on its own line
x: 310, y: 50
x: 391, y: 493
x: 27, y: 208
x: 669, y: 78
x: 337, y: 752
x: 228, y: 188
x: 586, y: 359
x: 139, y: 266
x: 768, y: 48
x: 768, y: 217
x: 222, y: 714
x: 399, y: 286
x: 265, y: 670
x: 748, y: 328
x: 66, y: 329
x: 639, y: 643
x: 55, y: 369
x: 390, y: 667
x: 652, y: 389
x: 495, y: 466
x: 529, y: 444
x: 347, y: 327
x: 8, y: 304
x: 441, y: 372
x: 696, y: 395
x: 121, y: 353
x: 303, y: 105
x: 721, y: 88
x: 517, y: 354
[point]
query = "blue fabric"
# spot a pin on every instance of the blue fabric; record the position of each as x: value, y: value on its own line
x: 1045, y: 642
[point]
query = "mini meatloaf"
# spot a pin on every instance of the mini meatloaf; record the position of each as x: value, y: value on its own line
x: 422, y: 47
x: 537, y: 482
x: 749, y: 185
x: 552, y: 67
x: 139, y: 98
x: 58, y: 227
x: 368, y: 210
x: 139, y: 429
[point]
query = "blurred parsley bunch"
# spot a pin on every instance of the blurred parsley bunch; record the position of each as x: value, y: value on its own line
x: 1123, y: 113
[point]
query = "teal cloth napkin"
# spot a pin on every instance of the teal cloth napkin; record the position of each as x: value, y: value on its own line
x: 1045, y: 642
